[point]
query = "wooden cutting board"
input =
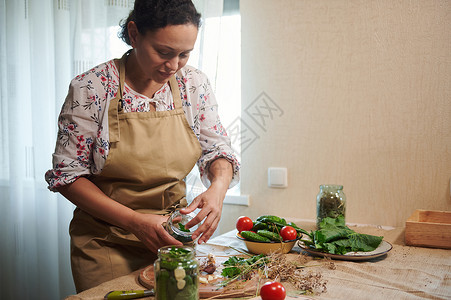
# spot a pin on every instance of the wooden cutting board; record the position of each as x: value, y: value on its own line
x: 213, y: 289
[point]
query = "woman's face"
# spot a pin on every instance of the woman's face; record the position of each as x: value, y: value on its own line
x: 161, y: 53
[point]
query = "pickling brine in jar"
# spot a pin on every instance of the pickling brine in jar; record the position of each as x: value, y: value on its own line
x: 330, y: 202
x: 176, y: 274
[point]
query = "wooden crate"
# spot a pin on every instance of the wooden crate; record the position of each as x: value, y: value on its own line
x: 429, y: 228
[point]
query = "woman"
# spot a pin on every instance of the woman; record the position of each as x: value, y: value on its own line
x: 130, y: 130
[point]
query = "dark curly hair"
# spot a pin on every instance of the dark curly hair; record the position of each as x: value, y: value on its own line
x: 155, y: 14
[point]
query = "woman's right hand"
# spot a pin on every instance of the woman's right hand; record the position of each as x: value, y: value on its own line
x: 149, y: 229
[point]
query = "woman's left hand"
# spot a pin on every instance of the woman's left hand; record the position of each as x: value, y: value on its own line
x: 210, y: 201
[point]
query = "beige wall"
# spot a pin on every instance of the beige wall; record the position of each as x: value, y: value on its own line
x: 364, y: 92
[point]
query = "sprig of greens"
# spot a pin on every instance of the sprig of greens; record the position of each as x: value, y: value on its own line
x: 238, y: 267
x: 183, y: 228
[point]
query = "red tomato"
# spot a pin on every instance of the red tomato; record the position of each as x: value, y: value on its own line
x: 288, y: 233
x: 244, y: 224
x: 273, y: 290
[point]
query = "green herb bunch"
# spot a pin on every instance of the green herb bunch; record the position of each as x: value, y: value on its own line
x: 333, y: 236
x: 240, y: 268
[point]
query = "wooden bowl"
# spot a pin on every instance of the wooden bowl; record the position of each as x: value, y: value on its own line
x: 268, y: 247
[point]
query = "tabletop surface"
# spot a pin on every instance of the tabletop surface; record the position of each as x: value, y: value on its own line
x: 404, y: 273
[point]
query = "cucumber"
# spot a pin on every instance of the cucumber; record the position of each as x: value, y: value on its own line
x: 259, y: 226
x: 188, y: 279
x: 162, y: 281
x: 252, y: 236
x: 272, y: 219
x: 270, y: 235
x: 299, y: 230
x: 171, y: 288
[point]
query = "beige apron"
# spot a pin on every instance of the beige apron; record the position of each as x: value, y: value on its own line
x: 150, y: 155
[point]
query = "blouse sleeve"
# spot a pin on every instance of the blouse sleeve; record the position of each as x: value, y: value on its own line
x: 213, y: 138
x: 79, y: 132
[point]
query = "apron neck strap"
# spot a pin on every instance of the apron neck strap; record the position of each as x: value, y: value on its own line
x: 174, y: 85
x: 122, y: 74
x: 117, y: 103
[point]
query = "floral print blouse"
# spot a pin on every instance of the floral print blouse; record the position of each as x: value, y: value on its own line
x: 83, y: 138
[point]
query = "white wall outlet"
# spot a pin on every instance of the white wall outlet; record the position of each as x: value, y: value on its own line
x: 277, y: 177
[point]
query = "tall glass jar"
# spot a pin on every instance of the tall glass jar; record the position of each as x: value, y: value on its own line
x: 176, y: 271
x: 330, y: 202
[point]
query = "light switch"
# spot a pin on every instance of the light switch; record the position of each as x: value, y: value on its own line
x: 277, y: 177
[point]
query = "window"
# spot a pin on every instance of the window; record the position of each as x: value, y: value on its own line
x: 218, y: 54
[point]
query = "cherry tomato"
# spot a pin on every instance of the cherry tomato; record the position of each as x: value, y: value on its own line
x: 288, y: 233
x: 244, y: 224
x: 273, y: 290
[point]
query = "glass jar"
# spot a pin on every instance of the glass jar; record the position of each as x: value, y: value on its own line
x: 176, y: 271
x: 330, y: 202
x: 176, y: 227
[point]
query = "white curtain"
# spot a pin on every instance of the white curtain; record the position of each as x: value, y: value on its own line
x: 43, y: 45
x: 217, y: 53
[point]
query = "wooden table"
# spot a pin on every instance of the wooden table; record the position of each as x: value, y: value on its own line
x: 404, y: 273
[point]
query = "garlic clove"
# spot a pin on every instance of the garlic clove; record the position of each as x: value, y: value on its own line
x: 203, y: 280
x: 181, y: 284
x: 179, y: 273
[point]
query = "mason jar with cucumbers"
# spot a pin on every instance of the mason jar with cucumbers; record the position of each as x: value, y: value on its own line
x: 176, y: 274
